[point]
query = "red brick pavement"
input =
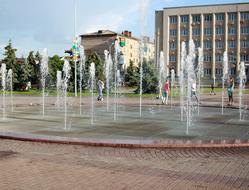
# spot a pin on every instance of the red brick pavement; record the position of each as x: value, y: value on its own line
x: 30, y: 165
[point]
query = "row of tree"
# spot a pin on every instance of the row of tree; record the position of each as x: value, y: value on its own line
x: 28, y: 70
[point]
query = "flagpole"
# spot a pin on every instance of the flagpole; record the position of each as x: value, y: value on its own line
x: 75, y: 61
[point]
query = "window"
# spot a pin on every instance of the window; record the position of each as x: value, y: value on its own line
x: 244, y: 29
x: 173, y: 20
x: 244, y: 57
x: 207, y: 31
x: 208, y: 18
x: 244, y: 16
x: 232, y: 71
x: 207, y: 44
x: 184, y: 32
x: 184, y: 19
x: 218, y: 71
x: 232, y: 58
x: 207, y: 58
x: 219, y: 58
x: 207, y: 71
x: 196, y: 31
x: 172, y: 45
x: 197, y: 44
x: 172, y: 58
x: 219, y: 31
x: 196, y: 18
x: 244, y: 44
x: 172, y: 32
x: 232, y: 31
x: 220, y: 17
x: 232, y: 16
x: 219, y: 44
x: 232, y: 44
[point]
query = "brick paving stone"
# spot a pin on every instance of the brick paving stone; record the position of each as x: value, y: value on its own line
x: 30, y: 165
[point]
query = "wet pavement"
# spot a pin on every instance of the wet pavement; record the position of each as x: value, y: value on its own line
x: 159, y: 124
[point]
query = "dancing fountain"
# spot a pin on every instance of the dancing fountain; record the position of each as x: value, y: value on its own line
x: 224, y: 78
x: 191, y: 80
x: 44, y: 74
x: 66, y: 76
x: 82, y: 70
x: 162, y: 73
x: 107, y: 71
x: 182, y: 78
x: 3, y: 75
x: 92, y: 79
x: 117, y: 51
x: 242, y: 80
x: 200, y: 74
x: 59, y: 88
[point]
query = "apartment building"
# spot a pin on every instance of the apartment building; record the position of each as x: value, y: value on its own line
x: 129, y: 45
x: 215, y: 28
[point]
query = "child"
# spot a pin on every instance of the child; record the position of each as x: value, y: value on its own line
x: 166, y: 89
x: 230, y: 89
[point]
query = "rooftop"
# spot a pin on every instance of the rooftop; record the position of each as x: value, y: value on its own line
x: 208, y: 5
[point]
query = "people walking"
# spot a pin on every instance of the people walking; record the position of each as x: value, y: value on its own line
x: 193, y: 90
x: 100, y: 89
x: 212, y: 92
x: 230, y: 89
x: 166, y: 89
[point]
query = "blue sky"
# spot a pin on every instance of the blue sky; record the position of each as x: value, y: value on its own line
x: 36, y: 24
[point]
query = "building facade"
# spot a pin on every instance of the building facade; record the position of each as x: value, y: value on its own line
x: 129, y: 45
x: 215, y: 28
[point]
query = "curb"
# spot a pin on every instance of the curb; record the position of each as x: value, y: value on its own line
x: 119, y: 144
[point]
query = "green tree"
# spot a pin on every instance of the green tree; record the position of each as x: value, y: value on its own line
x: 150, y: 79
x: 34, y: 76
x: 132, y: 75
x: 55, y: 64
x: 10, y: 61
x: 24, y: 71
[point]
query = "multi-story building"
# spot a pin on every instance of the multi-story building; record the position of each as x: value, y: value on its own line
x: 129, y: 45
x: 215, y: 28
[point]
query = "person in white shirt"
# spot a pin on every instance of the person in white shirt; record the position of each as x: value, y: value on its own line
x: 100, y: 89
x: 193, y: 90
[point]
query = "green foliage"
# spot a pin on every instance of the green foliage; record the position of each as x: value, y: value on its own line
x: 10, y: 60
x: 34, y: 66
x: 132, y: 75
x: 55, y: 64
x: 99, y: 65
x: 150, y: 79
x: 24, y: 71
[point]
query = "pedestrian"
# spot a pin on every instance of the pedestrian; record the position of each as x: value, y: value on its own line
x: 193, y: 90
x: 230, y: 89
x: 212, y: 90
x: 166, y: 89
x: 100, y: 89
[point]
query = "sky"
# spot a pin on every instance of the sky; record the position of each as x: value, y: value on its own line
x: 37, y: 24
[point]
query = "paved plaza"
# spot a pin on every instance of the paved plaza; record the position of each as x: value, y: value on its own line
x: 29, y: 165
x: 38, y: 165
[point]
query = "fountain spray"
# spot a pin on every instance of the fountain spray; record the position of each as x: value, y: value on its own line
x: 66, y: 76
x: 224, y: 78
x: 44, y: 74
x: 3, y: 74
